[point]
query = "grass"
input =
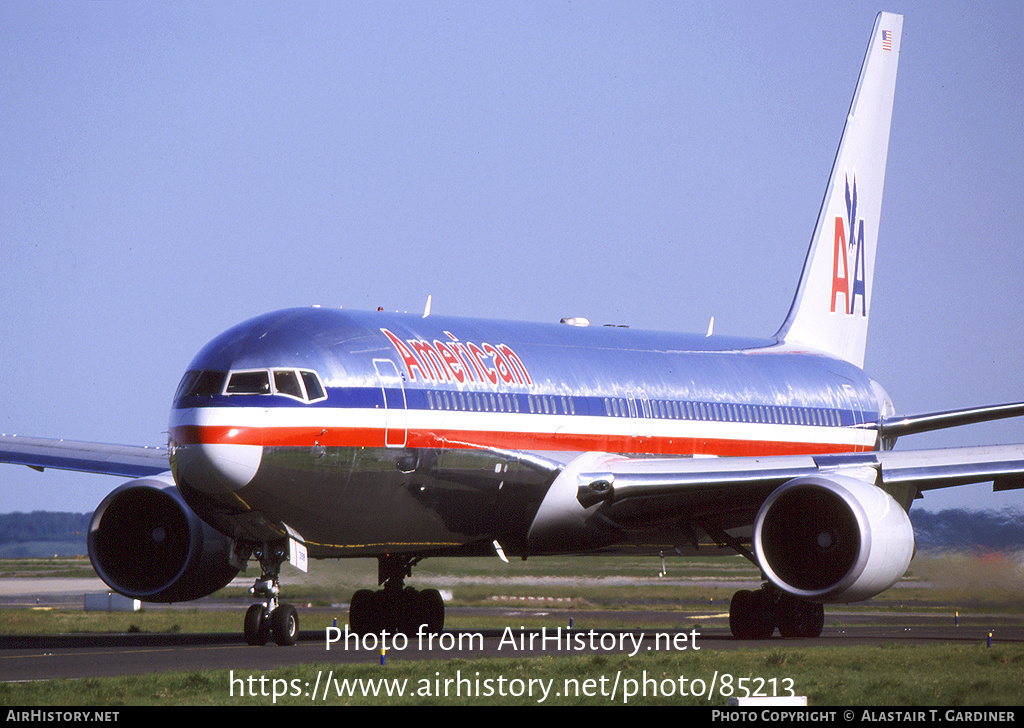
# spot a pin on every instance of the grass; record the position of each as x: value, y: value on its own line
x: 57, y: 567
x: 77, y: 621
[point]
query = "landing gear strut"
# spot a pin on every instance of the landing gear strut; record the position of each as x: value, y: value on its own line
x: 270, y: 617
x: 754, y: 615
x: 396, y: 607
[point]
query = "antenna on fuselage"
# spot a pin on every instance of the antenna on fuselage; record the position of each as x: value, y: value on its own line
x: 426, y: 311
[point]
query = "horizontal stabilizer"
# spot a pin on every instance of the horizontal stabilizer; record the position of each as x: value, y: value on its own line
x: 893, y: 427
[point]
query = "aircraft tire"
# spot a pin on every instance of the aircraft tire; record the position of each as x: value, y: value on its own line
x: 763, y: 617
x: 284, y: 623
x: 432, y: 606
x: 800, y: 619
x: 256, y: 626
x: 362, y: 612
x: 405, y: 612
x: 751, y: 616
x: 741, y: 609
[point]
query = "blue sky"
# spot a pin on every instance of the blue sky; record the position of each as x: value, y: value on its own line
x: 172, y: 169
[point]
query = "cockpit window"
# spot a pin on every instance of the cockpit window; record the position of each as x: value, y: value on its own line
x: 186, y: 384
x: 249, y: 383
x: 286, y: 381
x: 314, y: 389
x: 303, y: 385
x: 201, y: 384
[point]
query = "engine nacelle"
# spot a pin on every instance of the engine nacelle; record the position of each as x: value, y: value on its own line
x: 145, y: 543
x: 833, y: 539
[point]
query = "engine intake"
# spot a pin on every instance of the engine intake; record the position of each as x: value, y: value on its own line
x: 147, y: 544
x: 833, y: 539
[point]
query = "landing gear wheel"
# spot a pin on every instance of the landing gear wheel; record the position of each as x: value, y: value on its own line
x: 257, y: 627
x: 396, y: 608
x: 284, y: 623
x: 751, y: 615
x: 405, y: 614
x: 763, y: 624
x: 741, y: 610
x: 269, y: 616
x: 362, y: 611
x: 800, y: 619
x: 432, y: 606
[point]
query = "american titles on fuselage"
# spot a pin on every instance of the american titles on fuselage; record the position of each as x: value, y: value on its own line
x: 457, y: 361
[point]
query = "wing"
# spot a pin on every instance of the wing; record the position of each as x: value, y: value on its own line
x: 697, y: 482
x: 624, y: 479
x: 86, y: 457
x: 829, y: 528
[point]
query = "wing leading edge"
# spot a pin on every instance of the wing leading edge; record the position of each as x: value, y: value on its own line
x: 84, y: 457
x: 893, y: 427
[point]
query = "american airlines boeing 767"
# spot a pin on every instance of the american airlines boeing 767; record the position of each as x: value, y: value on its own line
x: 317, y: 433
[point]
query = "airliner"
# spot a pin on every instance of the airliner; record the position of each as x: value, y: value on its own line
x: 319, y: 433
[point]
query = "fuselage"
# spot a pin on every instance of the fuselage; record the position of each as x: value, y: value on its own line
x: 367, y: 432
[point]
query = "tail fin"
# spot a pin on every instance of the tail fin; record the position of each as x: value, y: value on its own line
x: 832, y: 303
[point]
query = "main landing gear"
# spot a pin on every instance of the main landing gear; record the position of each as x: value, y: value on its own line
x: 270, y: 617
x: 754, y: 615
x: 395, y: 608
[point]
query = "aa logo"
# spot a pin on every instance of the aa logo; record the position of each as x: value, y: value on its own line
x: 849, y: 247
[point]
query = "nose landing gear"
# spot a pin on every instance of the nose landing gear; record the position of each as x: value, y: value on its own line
x: 270, y: 617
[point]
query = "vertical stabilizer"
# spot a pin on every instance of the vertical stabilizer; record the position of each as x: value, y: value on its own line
x: 833, y: 301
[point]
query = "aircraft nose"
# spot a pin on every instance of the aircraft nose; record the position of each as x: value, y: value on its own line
x: 215, y: 460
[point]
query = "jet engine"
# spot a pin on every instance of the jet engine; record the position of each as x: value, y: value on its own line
x: 145, y: 543
x: 832, y: 539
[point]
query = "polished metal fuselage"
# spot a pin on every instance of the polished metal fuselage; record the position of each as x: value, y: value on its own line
x: 443, y: 434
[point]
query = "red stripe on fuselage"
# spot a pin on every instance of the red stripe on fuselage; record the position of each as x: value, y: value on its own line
x: 482, y: 439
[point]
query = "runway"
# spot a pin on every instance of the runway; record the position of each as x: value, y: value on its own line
x: 25, y: 658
